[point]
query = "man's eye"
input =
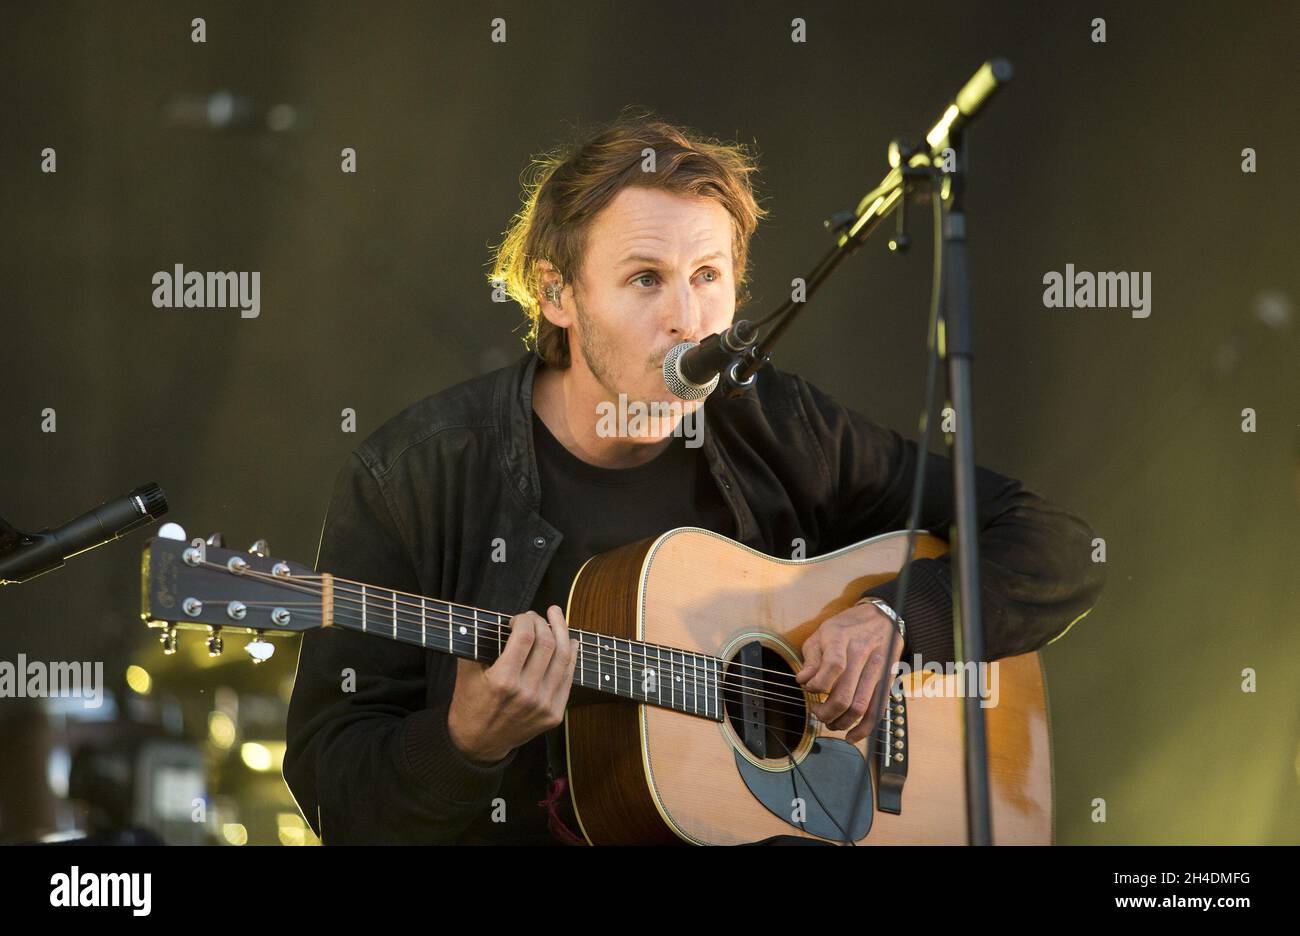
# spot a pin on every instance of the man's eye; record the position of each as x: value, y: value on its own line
x: 715, y: 276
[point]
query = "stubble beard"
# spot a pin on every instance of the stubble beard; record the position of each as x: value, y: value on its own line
x: 598, y: 352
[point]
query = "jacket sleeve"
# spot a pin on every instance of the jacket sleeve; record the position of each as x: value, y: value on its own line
x: 1037, y: 577
x: 368, y: 758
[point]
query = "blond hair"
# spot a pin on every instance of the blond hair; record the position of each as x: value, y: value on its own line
x: 565, y: 189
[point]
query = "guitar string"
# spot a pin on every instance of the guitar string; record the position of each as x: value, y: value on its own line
x: 881, y: 735
x: 486, y: 628
x: 483, y: 626
x: 501, y: 624
x: 690, y: 687
x: 444, y: 639
x: 732, y: 682
x: 715, y: 676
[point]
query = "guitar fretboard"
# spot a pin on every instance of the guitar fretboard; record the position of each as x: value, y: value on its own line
x: 665, y: 676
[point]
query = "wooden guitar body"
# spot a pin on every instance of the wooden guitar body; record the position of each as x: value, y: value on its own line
x: 647, y: 774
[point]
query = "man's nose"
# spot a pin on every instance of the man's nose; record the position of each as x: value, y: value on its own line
x: 684, y: 315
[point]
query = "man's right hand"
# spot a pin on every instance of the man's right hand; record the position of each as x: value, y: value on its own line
x: 496, y: 708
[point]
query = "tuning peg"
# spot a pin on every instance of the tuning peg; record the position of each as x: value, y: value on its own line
x: 168, y: 640
x: 260, y: 649
x: 215, y: 643
x: 217, y: 540
x: 260, y: 549
x: 172, y: 531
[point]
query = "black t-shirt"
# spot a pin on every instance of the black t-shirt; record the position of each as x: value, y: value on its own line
x: 596, y: 510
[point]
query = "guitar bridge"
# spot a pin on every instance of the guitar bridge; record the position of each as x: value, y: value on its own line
x: 893, y: 755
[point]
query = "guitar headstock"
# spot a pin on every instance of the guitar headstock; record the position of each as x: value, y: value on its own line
x: 200, y: 585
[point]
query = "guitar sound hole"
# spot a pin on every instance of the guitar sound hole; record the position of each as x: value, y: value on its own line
x: 763, y: 703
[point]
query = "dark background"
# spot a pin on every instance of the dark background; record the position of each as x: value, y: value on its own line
x: 1117, y: 156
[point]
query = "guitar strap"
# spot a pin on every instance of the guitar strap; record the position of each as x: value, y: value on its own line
x: 557, y: 787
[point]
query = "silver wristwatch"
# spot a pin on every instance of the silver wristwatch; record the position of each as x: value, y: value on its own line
x: 888, y: 612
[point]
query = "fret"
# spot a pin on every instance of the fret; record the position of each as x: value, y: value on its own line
x: 707, y: 694
x: 618, y: 669
x: 457, y: 630
x: 620, y: 674
x: 701, y: 683
x: 721, y: 669
x: 633, y: 671
x: 712, y: 664
x: 703, y: 672
x: 652, y: 674
x: 609, y: 654
x: 703, y: 664
x: 701, y: 676
x: 611, y: 665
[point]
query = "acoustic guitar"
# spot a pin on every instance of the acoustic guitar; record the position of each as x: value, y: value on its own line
x: 700, y: 733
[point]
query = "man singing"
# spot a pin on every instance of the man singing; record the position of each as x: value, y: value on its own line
x: 495, y: 491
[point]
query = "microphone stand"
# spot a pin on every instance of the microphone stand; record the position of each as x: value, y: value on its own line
x: 940, y: 169
x: 959, y: 352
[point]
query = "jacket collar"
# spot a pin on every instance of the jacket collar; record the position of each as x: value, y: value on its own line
x: 513, y: 407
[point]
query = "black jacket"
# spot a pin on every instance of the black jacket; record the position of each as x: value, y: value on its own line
x: 420, y: 505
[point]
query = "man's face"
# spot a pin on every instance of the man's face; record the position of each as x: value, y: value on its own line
x: 657, y: 272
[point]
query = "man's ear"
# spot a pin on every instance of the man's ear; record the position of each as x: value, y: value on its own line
x: 556, y: 297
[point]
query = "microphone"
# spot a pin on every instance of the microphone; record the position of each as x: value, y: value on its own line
x: 691, y: 369
x: 24, y: 556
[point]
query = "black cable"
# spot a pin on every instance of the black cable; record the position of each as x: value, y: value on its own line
x: 844, y: 832
x: 923, y: 448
